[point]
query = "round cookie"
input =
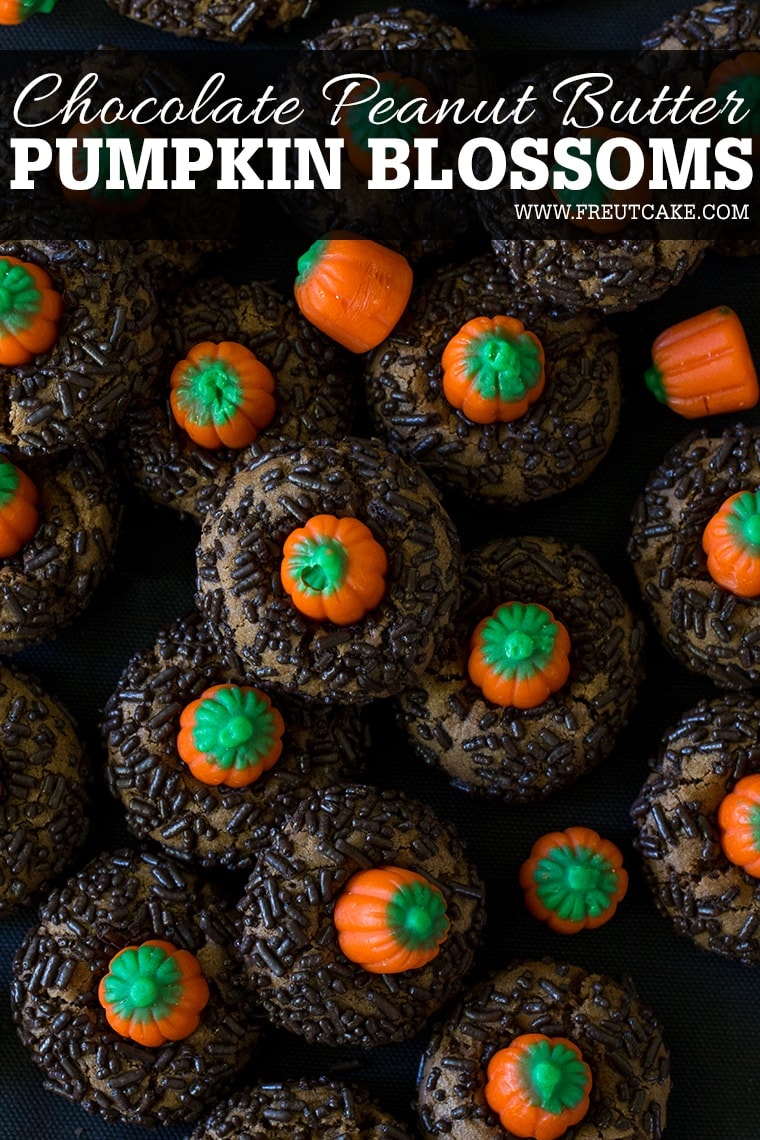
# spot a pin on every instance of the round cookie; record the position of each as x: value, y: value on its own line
x: 318, y: 1109
x: 312, y: 390
x: 106, y: 353
x: 707, y: 898
x: 433, y: 60
x: 709, y: 32
x: 123, y: 899
x: 619, y: 1038
x: 44, y: 789
x: 212, y: 19
x: 288, y: 938
x: 705, y: 627
x: 241, y: 551
x: 517, y: 754
x: 576, y: 270
x: 213, y: 825
x: 51, y: 579
x: 555, y: 444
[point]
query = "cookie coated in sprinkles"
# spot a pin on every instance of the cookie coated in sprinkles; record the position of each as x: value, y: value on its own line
x: 619, y: 1038
x: 123, y: 899
x: 212, y: 825
x: 704, y: 626
x: 309, y: 1109
x: 288, y: 939
x: 522, y: 755
x: 557, y: 443
x: 240, y: 552
x: 107, y: 352
x: 707, y: 898
x: 312, y: 390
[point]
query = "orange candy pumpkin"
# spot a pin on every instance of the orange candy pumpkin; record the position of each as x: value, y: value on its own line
x: 222, y: 395
x: 573, y: 880
x: 731, y: 541
x: 230, y: 735
x: 14, y: 12
x: 519, y: 655
x: 356, y: 128
x: 703, y: 366
x: 493, y: 369
x: 30, y: 309
x: 739, y: 823
x: 390, y: 920
x: 100, y: 198
x: 19, y: 517
x: 153, y: 993
x: 600, y: 195
x: 353, y: 289
x: 539, y: 1086
x: 334, y: 569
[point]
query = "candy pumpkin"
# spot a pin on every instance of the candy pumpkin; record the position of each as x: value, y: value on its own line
x: 519, y: 655
x: 390, y: 920
x: 493, y: 369
x: 16, y: 11
x: 30, y: 309
x: 739, y: 823
x: 222, y: 395
x: 573, y: 880
x: 356, y: 128
x: 731, y: 541
x: 230, y: 735
x: 334, y: 569
x: 19, y: 518
x: 703, y: 366
x: 100, y: 197
x: 353, y: 289
x: 742, y: 75
x: 539, y: 1086
x: 153, y: 993
x: 597, y: 194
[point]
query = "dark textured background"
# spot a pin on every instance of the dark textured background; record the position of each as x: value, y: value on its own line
x: 710, y: 1008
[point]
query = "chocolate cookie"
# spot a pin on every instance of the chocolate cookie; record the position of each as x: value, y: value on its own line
x: 707, y: 627
x: 241, y: 590
x: 706, y: 896
x: 44, y: 794
x: 288, y: 914
x: 105, y: 352
x: 578, y: 266
x: 312, y: 390
x: 214, y: 825
x: 708, y: 32
x: 550, y: 445
x: 50, y: 579
x: 412, y: 55
x: 619, y: 1039
x: 212, y: 19
x: 525, y: 754
x: 300, y: 1110
x: 122, y: 900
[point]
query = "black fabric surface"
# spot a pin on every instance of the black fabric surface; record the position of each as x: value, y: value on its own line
x: 710, y: 1008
